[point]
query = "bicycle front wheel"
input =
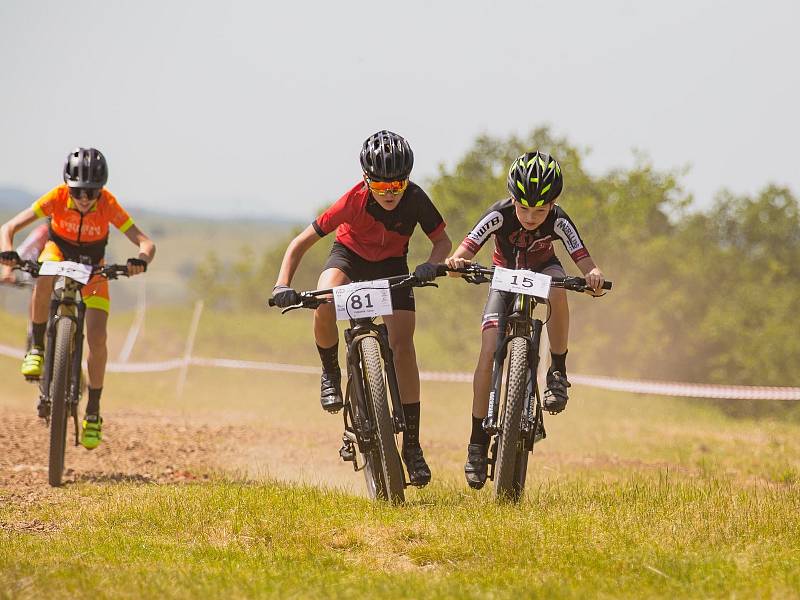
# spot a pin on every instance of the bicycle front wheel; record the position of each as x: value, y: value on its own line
x: 512, y: 458
x: 65, y: 331
x: 383, y: 463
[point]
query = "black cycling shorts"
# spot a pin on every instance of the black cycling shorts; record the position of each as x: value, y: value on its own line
x: 360, y: 269
x: 499, y: 301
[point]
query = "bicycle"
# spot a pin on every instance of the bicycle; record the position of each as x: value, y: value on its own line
x: 60, y: 384
x: 515, y: 418
x: 371, y: 419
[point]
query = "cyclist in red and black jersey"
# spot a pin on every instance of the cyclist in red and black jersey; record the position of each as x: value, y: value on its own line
x: 374, y: 221
x: 524, y: 227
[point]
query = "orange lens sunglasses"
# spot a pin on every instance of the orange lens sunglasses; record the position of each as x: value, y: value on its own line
x: 386, y: 187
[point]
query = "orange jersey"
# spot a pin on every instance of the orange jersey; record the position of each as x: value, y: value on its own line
x: 67, y: 222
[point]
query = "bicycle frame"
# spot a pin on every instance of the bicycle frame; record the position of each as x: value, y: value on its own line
x: 356, y: 430
x: 66, y: 303
x: 519, y: 322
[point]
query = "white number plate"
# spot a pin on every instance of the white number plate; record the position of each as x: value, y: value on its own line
x: 521, y: 281
x: 362, y: 299
x: 78, y: 272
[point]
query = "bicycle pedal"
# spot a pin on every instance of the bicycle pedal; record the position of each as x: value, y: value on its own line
x: 347, y: 453
x: 33, y: 378
x: 43, y: 410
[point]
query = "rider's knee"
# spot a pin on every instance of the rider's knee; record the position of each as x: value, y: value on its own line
x: 96, y: 338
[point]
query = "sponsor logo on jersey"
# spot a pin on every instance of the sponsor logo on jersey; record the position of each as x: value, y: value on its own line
x: 567, y: 233
x: 87, y: 230
x: 488, y: 225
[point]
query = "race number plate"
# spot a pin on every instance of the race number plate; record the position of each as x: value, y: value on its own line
x: 520, y: 281
x: 362, y: 299
x: 78, y: 272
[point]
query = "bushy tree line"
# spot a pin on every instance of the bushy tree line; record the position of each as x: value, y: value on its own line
x: 707, y: 296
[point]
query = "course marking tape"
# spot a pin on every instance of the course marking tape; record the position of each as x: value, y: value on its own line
x: 659, y: 388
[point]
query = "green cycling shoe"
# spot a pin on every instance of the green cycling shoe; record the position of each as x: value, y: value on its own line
x: 91, y: 431
x: 32, y: 363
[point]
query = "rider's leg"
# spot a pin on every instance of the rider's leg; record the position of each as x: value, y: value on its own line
x: 555, y: 396
x: 326, y: 335
x: 476, y: 467
x: 401, y: 325
x: 96, y: 336
x: 482, y: 380
x: 40, y: 311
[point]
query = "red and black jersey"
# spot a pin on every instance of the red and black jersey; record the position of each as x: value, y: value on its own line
x: 520, y: 248
x: 374, y: 233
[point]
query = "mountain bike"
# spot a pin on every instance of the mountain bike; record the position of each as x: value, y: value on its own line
x: 515, y: 418
x: 372, y: 418
x: 60, y: 384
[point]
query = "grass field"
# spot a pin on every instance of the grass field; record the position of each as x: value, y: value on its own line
x: 628, y: 496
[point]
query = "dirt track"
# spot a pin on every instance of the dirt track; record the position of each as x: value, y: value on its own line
x: 135, y: 447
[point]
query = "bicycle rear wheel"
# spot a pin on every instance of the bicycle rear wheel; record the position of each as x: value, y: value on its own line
x: 512, y: 458
x: 383, y: 463
x: 59, y: 383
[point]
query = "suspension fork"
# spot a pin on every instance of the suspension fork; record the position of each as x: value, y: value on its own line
x: 77, y: 357
x: 531, y: 402
x: 355, y: 384
x: 49, y: 353
x: 490, y: 422
x: 398, y: 414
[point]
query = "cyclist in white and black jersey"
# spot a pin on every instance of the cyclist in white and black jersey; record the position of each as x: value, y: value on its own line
x: 519, y: 248
x: 524, y: 228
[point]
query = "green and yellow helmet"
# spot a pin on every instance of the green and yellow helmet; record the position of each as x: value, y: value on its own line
x: 534, y: 179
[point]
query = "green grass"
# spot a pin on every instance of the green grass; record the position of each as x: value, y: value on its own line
x: 629, y: 496
x: 660, y: 535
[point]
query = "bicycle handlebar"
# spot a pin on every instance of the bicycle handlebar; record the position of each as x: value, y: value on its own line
x: 478, y: 274
x: 312, y: 300
x: 108, y: 271
x: 474, y: 273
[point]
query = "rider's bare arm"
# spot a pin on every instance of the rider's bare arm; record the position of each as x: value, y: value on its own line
x: 294, y: 254
x: 7, y: 232
x: 147, y: 249
x: 591, y: 272
x: 441, y: 247
x: 11, y: 227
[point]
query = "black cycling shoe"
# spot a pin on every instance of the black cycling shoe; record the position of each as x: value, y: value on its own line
x: 419, y: 474
x: 330, y: 395
x: 476, y: 469
x: 555, y: 396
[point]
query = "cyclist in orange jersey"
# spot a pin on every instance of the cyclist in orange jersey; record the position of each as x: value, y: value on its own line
x: 80, y: 212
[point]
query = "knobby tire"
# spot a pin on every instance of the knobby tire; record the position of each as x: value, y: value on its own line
x: 391, y: 483
x: 512, y: 458
x: 59, y: 384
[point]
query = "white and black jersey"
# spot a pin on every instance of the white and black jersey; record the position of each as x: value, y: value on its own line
x: 518, y: 248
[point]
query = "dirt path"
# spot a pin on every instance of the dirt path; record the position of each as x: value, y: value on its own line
x: 136, y: 447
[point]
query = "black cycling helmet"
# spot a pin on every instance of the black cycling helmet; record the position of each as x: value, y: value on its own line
x: 534, y: 179
x: 386, y: 156
x: 85, y: 168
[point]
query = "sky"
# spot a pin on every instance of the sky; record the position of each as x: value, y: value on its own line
x: 260, y: 108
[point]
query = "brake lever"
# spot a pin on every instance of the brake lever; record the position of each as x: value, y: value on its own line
x: 428, y: 284
x: 476, y: 279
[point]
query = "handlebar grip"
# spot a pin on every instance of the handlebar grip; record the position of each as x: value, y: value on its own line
x: 606, y: 285
x: 271, y: 302
x: 441, y: 270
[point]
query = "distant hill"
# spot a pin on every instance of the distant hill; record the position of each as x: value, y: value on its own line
x: 13, y: 199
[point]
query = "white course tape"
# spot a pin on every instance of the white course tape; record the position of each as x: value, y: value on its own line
x: 692, y: 390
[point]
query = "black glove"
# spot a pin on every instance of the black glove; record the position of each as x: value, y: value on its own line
x: 10, y: 255
x: 137, y: 262
x: 426, y: 272
x: 284, y: 296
